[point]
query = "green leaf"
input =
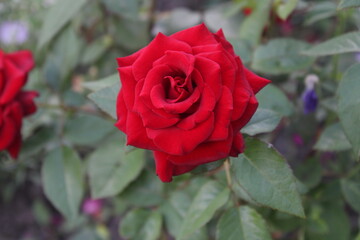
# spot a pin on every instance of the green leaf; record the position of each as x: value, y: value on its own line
x: 333, y: 139
x: 210, y: 197
x: 63, y: 180
x: 95, y: 50
x: 349, y: 4
x: 284, y: 9
x: 145, y: 191
x: 57, y: 17
x: 320, y: 11
x: 309, y: 178
x: 243, y: 223
x: 253, y: 26
x: 281, y: 56
x: 351, y: 191
x: 141, y: 224
x: 85, y: 129
x: 335, y: 223
x: 266, y: 177
x: 348, y: 42
x: 102, y: 83
x: 106, y: 98
x: 111, y: 169
x: 272, y: 98
x: 348, y: 107
x: 126, y: 8
x: 174, y: 211
x: 263, y: 121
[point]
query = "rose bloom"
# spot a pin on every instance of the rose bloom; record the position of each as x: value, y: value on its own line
x: 186, y: 97
x: 15, y: 104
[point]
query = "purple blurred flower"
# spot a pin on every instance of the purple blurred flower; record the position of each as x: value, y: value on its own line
x: 309, y: 97
x: 92, y: 207
x: 310, y: 101
x: 13, y: 32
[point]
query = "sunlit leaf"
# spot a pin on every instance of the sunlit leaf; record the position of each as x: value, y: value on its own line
x: 263, y: 121
x: 63, y: 180
x: 266, y: 177
x: 348, y: 42
x: 210, y: 197
x: 141, y: 224
x: 243, y: 223
x: 348, y: 106
x: 111, y: 169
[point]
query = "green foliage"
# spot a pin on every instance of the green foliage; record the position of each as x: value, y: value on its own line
x: 57, y: 17
x: 348, y: 4
x: 210, y: 197
x: 105, y: 98
x: 351, y: 190
x: 141, y: 224
x: 280, y: 56
x: 263, y: 121
x: 76, y: 130
x: 253, y: 26
x: 285, y: 8
x: 349, y: 101
x: 273, y: 98
x: 264, y: 174
x: 111, y: 168
x: 73, y: 153
x: 333, y: 139
x: 349, y: 42
x: 243, y: 223
x: 63, y: 180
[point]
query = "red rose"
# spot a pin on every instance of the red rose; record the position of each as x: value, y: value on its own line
x: 14, y: 103
x: 186, y: 97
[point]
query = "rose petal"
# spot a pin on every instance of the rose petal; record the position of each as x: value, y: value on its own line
x: 202, y: 113
x: 26, y: 99
x: 228, y: 67
x: 121, y: 112
x: 128, y: 60
x: 223, y: 112
x: 154, y: 51
x: 195, y: 36
x: 14, y: 147
x: 14, y: 80
x: 238, y: 145
x: 8, y: 131
x: 256, y: 82
x: 128, y: 84
x: 248, y: 113
x: 220, y: 37
x: 136, y: 133
x: 205, y: 152
x: 22, y: 60
x: 165, y: 169
x: 151, y: 116
x: 176, y: 141
x: 179, y: 62
x: 159, y: 101
x: 211, y: 74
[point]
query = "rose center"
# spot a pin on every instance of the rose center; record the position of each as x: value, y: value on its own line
x: 177, y: 88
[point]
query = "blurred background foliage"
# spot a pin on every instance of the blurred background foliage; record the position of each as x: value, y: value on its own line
x: 75, y: 180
